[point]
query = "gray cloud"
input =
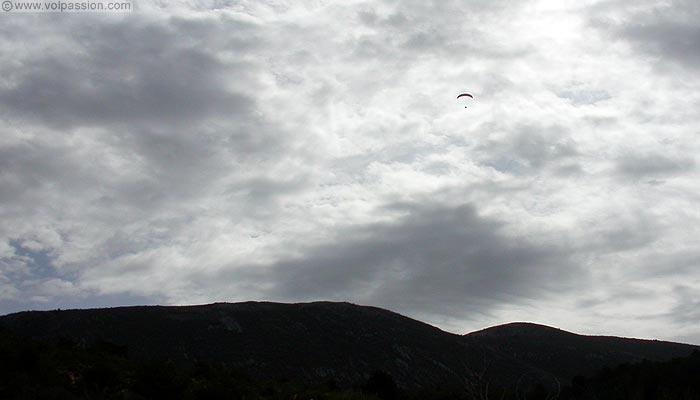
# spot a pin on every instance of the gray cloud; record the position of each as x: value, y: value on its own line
x: 446, y: 29
x: 433, y: 259
x: 530, y: 148
x: 171, y: 114
x: 127, y: 72
x: 687, y: 308
x: 122, y: 131
x: 665, y: 30
x: 641, y: 166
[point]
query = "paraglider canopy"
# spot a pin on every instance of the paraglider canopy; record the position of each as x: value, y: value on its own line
x: 465, y: 95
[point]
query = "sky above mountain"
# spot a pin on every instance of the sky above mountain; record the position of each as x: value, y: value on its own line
x: 192, y: 152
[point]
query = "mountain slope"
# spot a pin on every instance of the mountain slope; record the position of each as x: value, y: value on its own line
x: 309, y: 342
x: 322, y: 341
x: 528, y: 352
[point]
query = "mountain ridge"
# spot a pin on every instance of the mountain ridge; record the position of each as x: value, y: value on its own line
x: 321, y: 302
x: 532, y: 325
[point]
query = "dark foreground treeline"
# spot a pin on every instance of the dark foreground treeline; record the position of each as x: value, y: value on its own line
x: 69, y: 370
x: 678, y: 379
x: 31, y: 369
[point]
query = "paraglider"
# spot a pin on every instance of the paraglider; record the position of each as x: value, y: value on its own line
x: 465, y: 95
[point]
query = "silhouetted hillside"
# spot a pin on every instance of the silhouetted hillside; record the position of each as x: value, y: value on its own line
x: 313, y: 343
x: 309, y: 342
x: 528, y: 352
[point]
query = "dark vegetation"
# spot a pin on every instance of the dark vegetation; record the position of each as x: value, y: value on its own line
x: 33, y: 369
x: 67, y: 370
x: 321, y: 351
x: 677, y: 379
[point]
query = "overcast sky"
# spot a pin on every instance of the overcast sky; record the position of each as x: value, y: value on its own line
x: 294, y: 151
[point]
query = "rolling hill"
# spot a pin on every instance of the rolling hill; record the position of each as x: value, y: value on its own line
x: 526, y: 353
x: 342, y: 342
